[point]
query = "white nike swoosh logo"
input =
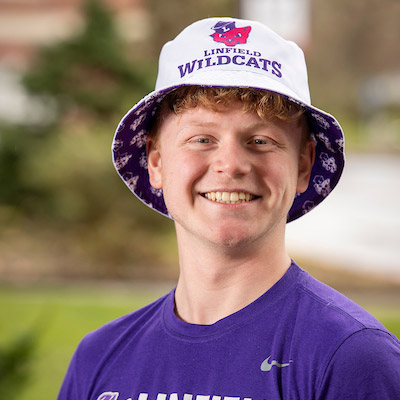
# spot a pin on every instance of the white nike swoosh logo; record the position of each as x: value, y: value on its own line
x: 266, y: 366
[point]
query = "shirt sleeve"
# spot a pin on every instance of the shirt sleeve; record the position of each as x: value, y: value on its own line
x: 366, y: 367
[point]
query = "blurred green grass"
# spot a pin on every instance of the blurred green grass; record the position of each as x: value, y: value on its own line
x: 64, y: 314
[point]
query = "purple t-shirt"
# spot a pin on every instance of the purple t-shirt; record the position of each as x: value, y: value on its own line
x: 300, y: 340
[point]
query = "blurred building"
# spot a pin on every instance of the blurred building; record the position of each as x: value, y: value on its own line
x: 290, y: 18
x: 27, y: 24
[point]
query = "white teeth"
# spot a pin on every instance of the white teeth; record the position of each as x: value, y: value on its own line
x: 229, y: 197
x: 234, y: 197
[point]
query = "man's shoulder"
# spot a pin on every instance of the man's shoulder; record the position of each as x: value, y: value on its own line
x: 329, y: 309
x: 330, y: 329
x: 115, y: 332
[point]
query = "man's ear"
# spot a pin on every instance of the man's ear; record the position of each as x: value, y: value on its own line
x: 306, y: 162
x: 154, y: 163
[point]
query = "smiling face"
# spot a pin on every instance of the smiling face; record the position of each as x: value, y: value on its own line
x: 229, y: 177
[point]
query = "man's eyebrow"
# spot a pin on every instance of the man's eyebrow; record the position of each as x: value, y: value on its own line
x: 250, y: 127
x: 200, y: 123
x: 256, y: 126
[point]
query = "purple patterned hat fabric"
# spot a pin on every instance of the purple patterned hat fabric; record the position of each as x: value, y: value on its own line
x: 227, y: 52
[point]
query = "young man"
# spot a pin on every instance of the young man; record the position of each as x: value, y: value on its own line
x: 230, y: 148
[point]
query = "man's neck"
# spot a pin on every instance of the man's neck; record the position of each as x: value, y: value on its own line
x: 215, y: 282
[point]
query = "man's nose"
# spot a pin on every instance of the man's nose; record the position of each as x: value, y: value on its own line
x: 232, y: 159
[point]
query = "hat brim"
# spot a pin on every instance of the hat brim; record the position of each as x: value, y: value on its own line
x: 130, y: 158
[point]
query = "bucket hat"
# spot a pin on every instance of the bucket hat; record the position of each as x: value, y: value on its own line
x: 228, y: 52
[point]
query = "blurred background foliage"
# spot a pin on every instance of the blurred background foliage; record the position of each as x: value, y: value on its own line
x: 64, y: 212
x: 16, y: 364
x: 90, y: 73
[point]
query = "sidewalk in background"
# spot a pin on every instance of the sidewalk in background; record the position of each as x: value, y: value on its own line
x: 358, y: 225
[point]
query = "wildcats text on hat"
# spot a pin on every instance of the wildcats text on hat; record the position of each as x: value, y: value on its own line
x: 242, y: 60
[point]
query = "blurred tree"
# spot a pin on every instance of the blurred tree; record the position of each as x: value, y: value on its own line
x: 89, y: 77
x: 90, y: 71
x: 17, y: 143
x: 15, y: 365
x: 352, y: 41
x: 58, y: 189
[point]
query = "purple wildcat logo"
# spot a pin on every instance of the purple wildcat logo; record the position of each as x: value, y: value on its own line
x: 227, y: 33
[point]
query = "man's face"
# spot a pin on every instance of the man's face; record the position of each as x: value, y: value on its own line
x: 228, y: 176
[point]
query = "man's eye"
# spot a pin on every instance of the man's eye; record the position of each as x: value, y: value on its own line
x: 203, y: 140
x: 260, y: 141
